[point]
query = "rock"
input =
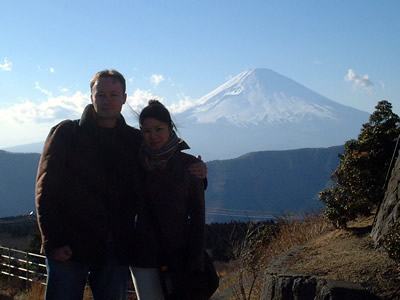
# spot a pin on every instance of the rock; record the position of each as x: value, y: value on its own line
x: 303, y: 288
x: 294, y: 288
x: 280, y: 283
x: 340, y: 290
x: 311, y: 288
x: 389, y: 210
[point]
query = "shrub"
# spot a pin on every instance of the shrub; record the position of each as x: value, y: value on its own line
x: 392, y: 241
x: 359, y: 179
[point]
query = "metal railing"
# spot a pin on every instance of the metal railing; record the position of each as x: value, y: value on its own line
x: 23, y: 265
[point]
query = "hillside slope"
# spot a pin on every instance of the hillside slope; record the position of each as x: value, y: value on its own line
x: 17, y: 182
x: 344, y: 255
x: 271, y: 181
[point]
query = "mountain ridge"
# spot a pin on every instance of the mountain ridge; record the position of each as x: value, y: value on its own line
x: 17, y: 182
x: 272, y: 181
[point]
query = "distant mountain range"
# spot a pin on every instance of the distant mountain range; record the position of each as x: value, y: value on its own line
x: 261, y: 184
x: 268, y: 182
x: 27, y: 148
x: 17, y: 183
x: 260, y: 110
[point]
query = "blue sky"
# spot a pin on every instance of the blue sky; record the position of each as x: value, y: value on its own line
x: 348, y: 51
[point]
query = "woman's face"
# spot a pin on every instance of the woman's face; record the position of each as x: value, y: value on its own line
x: 155, y: 133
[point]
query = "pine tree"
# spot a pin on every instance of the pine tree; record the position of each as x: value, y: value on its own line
x: 359, y: 179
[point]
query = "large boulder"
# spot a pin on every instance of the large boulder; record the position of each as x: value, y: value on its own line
x: 281, y: 283
x: 389, y: 210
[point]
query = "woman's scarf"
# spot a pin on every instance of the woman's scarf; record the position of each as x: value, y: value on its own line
x: 156, y: 159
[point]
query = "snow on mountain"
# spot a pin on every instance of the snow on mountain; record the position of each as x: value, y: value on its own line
x: 260, y: 109
x: 262, y: 96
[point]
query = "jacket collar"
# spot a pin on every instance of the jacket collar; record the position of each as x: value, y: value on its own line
x: 182, y: 145
x: 88, y: 118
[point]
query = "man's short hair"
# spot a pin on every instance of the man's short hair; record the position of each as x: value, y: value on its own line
x: 108, y: 74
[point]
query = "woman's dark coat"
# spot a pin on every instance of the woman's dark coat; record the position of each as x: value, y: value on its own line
x: 171, y: 223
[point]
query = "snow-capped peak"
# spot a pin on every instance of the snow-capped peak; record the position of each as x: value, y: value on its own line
x: 258, y: 96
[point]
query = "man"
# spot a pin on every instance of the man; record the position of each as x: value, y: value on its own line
x: 87, y: 194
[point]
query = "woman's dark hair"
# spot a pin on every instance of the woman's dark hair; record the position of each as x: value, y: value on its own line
x: 155, y: 109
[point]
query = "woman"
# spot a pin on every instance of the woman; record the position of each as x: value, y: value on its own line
x: 171, y: 223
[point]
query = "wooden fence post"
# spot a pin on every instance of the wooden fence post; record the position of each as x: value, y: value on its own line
x: 9, y: 264
x: 27, y: 270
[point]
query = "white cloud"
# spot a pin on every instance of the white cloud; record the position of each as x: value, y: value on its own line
x: 63, y: 90
x: 156, y: 79
x: 185, y: 102
x: 140, y: 98
x: 358, y: 81
x: 50, y: 69
x: 43, y: 91
x: 61, y: 107
x: 30, y: 122
x: 6, y: 66
x: 135, y: 104
x: 53, y: 110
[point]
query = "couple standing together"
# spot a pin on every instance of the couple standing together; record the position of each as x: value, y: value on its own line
x: 109, y: 196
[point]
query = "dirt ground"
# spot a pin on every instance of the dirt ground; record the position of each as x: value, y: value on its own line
x: 350, y: 255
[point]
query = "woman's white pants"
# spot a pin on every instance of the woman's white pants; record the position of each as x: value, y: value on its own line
x: 147, y: 283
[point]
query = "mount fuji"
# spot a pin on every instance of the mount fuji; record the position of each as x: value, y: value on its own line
x: 259, y: 110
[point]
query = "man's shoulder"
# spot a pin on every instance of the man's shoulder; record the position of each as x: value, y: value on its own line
x: 60, y: 135
x: 65, y: 126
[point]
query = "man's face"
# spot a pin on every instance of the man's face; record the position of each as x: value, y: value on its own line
x: 107, y: 98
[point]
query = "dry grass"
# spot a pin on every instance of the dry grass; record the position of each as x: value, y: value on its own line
x: 292, y: 231
x: 15, y: 289
x: 329, y: 253
x: 349, y: 255
x: 295, y: 231
x: 19, y: 243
